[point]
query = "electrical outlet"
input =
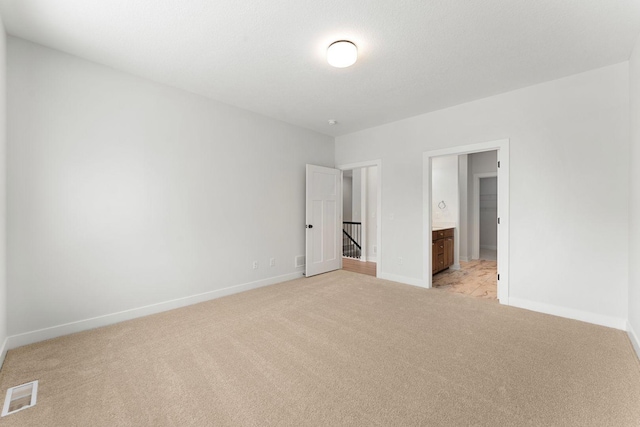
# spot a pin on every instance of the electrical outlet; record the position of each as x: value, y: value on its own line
x: 400, y: 260
x: 375, y: 249
x: 272, y: 262
x: 255, y: 264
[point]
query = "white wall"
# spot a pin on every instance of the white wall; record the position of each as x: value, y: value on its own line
x: 347, y: 198
x: 356, y: 195
x: 3, y: 197
x: 634, y: 200
x: 444, y: 187
x: 463, y: 186
x: 124, y: 193
x: 568, y: 146
x: 372, y: 213
x: 484, y: 162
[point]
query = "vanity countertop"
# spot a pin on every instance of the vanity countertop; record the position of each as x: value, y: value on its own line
x: 433, y: 228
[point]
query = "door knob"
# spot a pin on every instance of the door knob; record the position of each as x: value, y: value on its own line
x: 309, y: 226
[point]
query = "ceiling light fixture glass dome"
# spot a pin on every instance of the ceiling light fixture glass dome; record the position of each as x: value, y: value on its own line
x: 342, y: 53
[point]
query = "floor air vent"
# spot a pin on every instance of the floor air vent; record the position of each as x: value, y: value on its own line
x: 20, y: 397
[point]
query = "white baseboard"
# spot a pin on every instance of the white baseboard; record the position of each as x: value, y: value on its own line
x: 569, y: 313
x: 465, y: 259
x: 634, y: 339
x: 401, y: 279
x: 3, y: 351
x: 363, y: 259
x: 109, y: 319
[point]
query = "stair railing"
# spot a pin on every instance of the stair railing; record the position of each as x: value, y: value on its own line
x: 351, y: 239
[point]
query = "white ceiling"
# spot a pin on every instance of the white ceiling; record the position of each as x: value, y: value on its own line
x: 268, y: 56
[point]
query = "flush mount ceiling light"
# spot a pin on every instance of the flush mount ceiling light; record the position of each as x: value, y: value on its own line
x: 342, y: 54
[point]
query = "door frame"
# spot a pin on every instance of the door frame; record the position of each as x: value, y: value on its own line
x: 378, y: 163
x: 502, y: 146
x: 475, y: 248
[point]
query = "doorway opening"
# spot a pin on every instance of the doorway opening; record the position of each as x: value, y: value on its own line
x: 466, y: 208
x: 360, y: 217
x: 466, y: 220
x: 485, y: 210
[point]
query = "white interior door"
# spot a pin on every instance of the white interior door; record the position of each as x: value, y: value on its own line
x: 323, y: 220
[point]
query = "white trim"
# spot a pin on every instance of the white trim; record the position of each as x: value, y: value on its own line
x: 3, y: 351
x: 570, y: 313
x: 502, y: 146
x: 365, y: 164
x: 469, y: 148
x: 475, y: 249
x: 633, y: 337
x: 364, y: 214
x: 109, y: 319
x: 9, y: 395
x: 358, y: 165
x: 402, y: 279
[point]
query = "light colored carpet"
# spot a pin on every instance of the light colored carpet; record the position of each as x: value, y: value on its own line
x: 336, y: 349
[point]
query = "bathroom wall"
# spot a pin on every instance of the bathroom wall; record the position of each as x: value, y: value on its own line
x: 488, y: 213
x: 463, y: 182
x: 444, y: 188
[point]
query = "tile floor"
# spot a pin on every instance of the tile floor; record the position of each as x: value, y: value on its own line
x: 476, y: 278
x: 488, y: 254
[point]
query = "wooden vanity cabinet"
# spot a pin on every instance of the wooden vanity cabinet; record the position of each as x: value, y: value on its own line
x: 441, y: 250
x: 434, y: 257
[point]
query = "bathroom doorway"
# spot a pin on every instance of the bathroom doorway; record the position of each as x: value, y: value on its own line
x: 482, y: 193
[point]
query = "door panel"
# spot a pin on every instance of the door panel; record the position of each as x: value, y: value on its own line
x: 315, y: 233
x: 434, y: 257
x: 330, y: 220
x: 323, y: 220
x: 448, y: 251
